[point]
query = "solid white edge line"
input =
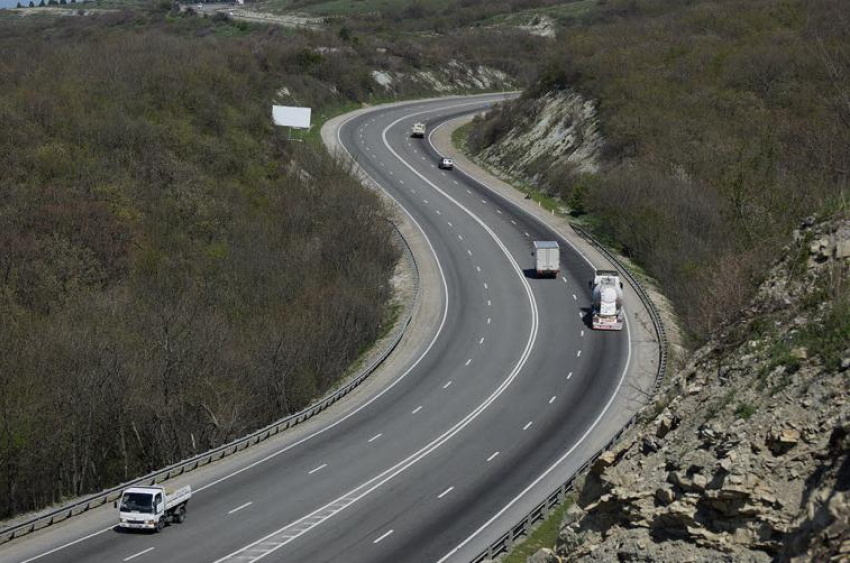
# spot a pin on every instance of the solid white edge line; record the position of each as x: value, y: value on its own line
x: 444, y: 493
x: 492, y: 457
x: 318, y: 468
x: 527, y: 425
x: 382, y: 537
x: 375, y: 437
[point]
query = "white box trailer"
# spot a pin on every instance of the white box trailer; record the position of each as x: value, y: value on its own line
x: 547, y: 257
x: 151, y: 508
x: 418, y: 130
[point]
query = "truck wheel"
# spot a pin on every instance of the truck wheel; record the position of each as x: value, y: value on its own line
x: 160, y: 524
x: 180, y: 517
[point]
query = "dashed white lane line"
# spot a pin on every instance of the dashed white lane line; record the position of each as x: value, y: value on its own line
x: 391, y: 173
x: 450, y: 224
x: 446, y: 386
x: 459, y: 237
x: 469, y: 361
x: 578, y: 354
x: 582, y: 333
x: 455, y: 182
x: 485, y: 285
x: 488, y: 303
x: 481, y: 341
x: 552, y: 400
x: 138, y: 554
x: 569, y: 375
x: 488, y: 320
x: 438, y: 212
x: 478, y: 268
x: 512, y: 221
x: 527, y: 235
x: 565, y: 279
x: 492, y: 457
x: 574, y: 297
x: 444, y: 493
x: 382, y: 537
x: 425, y: 201
x: 401, y: 182
x: 238, y: 508
x: 527, y: 425
x: 469, y: 252
x: 318, y: 468
x: 419, y: 408
x: 375, y: 437
x: 469, y: 192
x: 483, y: 201
x: 384, y: 165
x: 499, y: 212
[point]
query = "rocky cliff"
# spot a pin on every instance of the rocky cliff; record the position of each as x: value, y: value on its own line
x: 744, y: 455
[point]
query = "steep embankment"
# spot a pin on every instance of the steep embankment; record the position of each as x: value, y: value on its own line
x: 745, y: 455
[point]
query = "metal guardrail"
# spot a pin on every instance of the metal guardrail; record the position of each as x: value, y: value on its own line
x: 104, y: 497
x: 505, y: 542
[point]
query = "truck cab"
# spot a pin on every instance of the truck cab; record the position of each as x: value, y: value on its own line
x: 418, y: 130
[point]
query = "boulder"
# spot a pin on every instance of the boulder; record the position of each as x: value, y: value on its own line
x: 544, y: 555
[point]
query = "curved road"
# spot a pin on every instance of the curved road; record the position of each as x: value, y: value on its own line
x: 510, y: 381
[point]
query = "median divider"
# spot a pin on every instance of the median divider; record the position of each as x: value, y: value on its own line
x: 522, y: 529
x: 85, y: 504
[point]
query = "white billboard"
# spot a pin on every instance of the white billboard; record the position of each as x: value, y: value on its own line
x: 288, y: 116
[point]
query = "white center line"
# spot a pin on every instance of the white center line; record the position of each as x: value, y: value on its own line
x: 488, y: 320
x: 565, y: 279
x: 569, y: 375
x: 444, y: 493
x: 481, y: 341
x: 382, y: 537
x: 578, y: 354
x: 478, y: 268
x: 574, y: 297
x: 469, y: 361
x: 460, y: 237
x: 469, y: 252
x: 552, y: 400
x: 492, y: 456
x: 375, y: 437
x: 419, y: 408
x: 318, y: 468
x: 582, y: 333
x: 446, y: 386
x: 527, y: 425
x: 238, y: 508
x: 139, y: 553
x: 485, y: 285
x: 450, y: 224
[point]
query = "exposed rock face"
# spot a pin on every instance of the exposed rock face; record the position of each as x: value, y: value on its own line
x: 556, y: 130
x: 453, y: 77
x: 746, y: 455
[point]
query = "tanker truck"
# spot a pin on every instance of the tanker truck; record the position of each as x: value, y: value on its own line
x: 607, y: 300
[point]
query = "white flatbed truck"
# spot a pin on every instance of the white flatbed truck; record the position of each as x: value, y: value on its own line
x: 152, y: 508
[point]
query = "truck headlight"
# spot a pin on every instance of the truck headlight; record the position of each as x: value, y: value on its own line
x: 150, y: 522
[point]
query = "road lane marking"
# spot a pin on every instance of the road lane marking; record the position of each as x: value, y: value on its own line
x: 483, y: 201
x: 578, y: 354
x: 485, y: 285
x: 469, y: 361
x: 469, y: 192
x: 438, y: 212
x: 148, y: 550
x: 481, y: 341
x: 238, y: 508
x: 492, y: 457
x: 488, y: 303
x: 375, y: 437
x: 446, y: 386
x: 416, y: 410
x: 488, y: 320
x: 527, y: 235
x: 478, y: 268
x: 469, y: 252
x: 401, y: 182
x: 499, y: 212
x: 582, y: 333
x: 425, y: 201
x: 574, y: 297
x: 527, y: 425
x: 455, y: 182
x: 382, y: 537
x: 444, y: 493
x: 569, y: 375
x: 565, y: 279
x: 460, y: 237
x: 552, y: 400
x: 512, y: 221
x: 318, y: 468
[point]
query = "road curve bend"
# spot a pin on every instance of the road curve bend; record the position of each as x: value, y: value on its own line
x: 510, y: 394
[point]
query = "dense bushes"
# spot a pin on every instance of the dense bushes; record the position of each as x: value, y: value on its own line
x: 172, y: 274
x: 725, y: 122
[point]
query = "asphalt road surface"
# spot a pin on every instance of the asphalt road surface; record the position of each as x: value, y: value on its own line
x: 511, y: 393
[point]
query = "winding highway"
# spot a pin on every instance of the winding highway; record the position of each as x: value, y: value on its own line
x: 509, y: 393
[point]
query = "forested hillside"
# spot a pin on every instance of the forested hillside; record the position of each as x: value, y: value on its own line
x: 725, y: 122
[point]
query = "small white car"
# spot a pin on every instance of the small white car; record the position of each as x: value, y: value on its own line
x: 447, y: 164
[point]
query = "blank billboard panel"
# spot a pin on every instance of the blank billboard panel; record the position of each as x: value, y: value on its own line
x: 287, y: 116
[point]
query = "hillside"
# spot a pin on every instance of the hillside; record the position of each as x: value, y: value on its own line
x: 745, y: 456
x: 691, y: 135
x: 173, y: 272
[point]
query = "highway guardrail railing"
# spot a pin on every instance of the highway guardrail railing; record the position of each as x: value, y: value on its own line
x: 521, y: 529
x: 53, y: 516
